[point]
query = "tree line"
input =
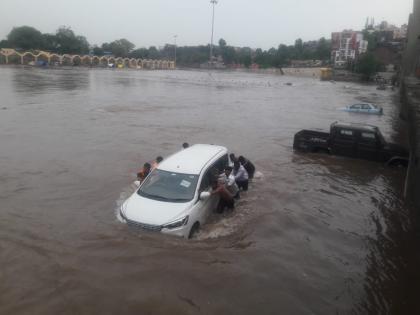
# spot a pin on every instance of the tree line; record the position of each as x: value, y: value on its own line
x: 65, y: 41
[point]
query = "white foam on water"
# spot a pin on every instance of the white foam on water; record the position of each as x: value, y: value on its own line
x: 124, y: 194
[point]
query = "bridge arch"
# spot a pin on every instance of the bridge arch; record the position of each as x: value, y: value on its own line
x: 86, y: 60
x: 95, y: 61
x: 126, y: 62
x: 133, y: 63
x: 111, y: 60
x: 67, y: 60
x: 28, y: 58
x: 119, y: 61
x: 55, y: 59
x: 43, y: 56
x: 103, y: 61
x: 76, y: 60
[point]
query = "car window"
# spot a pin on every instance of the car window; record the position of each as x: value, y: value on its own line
x: 222, y: 163
x: 365, y: 106
x: 355, y: 106
x: 368, y: 136
x: 169, y: 186
x: 206, y: 180
x: 346, y: 132
x: 213, y: 172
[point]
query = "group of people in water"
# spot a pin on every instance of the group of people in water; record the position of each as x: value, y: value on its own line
x: 234, y: 178
x: 227, y: 183
x: 147, y: 168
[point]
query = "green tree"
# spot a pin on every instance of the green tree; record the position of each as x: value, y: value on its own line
x: 140, y: 53
x: 120, y: 48
x: 323, y: 49
x: 367, y: 66
x: 98, y: 51
x: 69, y: 43
x: 25, y: 37
x: 298, y: 48
x: 372, y: 39
x: 154, y: 53
x: 4, y: 44
x: 49, y: 42
x: 222, y: 43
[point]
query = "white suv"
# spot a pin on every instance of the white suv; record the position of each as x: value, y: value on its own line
x: 175, y: 198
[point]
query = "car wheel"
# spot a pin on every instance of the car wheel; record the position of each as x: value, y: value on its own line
x: 398, y: 162
x: 195, y: 228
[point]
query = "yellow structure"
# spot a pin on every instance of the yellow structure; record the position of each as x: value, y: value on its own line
x: 11, y: 56
x: 326, y: 74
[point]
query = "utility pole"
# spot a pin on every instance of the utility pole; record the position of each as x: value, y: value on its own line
x: 175, y: 36
x: 213, y: 2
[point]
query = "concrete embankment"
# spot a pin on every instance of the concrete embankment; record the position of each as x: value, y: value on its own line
x: 410, y: 93
x: 303, y: 72
x: 410, y: 111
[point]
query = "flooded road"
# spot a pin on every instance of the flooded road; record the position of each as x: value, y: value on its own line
x: 315, y: 234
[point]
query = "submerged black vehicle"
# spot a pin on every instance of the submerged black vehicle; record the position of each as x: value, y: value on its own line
x: 352, y: 140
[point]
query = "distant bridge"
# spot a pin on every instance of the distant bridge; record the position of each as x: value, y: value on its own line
x: 11, y: 56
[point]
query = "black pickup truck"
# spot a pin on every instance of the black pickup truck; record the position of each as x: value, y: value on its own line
x: 352, y: 140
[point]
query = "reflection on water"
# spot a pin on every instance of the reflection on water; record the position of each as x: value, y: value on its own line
x: 392, y: 278
x: 315, y: 234
x: 37, y: 81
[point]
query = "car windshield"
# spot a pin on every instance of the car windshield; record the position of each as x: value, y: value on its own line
x: 169, y: 186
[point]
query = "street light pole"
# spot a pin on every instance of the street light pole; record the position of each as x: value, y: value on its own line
x: 213, y: 2
x: 175, y: 36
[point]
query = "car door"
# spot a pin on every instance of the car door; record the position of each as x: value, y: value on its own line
x: 355, y: 108
x: 365, y: 108
x: 203, y: 207
x: 367, y: 147
x: 344, y: 142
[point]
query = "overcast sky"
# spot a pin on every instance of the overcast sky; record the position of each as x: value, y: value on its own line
x: 262, y: 23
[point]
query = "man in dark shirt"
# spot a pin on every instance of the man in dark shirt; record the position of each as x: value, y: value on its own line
x: 250, y: 168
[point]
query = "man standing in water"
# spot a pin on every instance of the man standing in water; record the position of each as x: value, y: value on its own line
x: 144, y: 172
x: 250, y: 168
x: 226, y: 198
x: 241, y: 175
x: 156, y: 162
x: 230, y: 183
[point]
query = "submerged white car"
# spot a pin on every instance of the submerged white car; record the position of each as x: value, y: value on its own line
x: 175, y: 198
x: 366, y: 108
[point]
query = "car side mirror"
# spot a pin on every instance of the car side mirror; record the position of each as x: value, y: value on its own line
x: 204, y: 195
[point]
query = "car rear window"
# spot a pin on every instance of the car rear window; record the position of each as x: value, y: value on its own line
x: 368, y: 136
x: 346, y: 132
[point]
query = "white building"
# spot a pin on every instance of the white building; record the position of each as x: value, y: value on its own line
x: 347, y: 46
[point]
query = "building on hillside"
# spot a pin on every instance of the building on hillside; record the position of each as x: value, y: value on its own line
x: 401, y: 33
x: 387, y: 30
x: 346, y: 46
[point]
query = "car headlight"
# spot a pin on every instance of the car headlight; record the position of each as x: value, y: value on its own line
x: 177, y: 223
x: 122, y: 208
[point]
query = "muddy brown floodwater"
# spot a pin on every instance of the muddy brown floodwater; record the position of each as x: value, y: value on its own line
x: 315, y: 234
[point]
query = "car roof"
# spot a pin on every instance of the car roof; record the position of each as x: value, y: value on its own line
x: 362, y: 127
x: 363, y: 104
x: 193, y: 159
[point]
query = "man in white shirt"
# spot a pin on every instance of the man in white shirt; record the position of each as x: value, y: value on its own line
x: 241, y: 175
x: 231, y: 183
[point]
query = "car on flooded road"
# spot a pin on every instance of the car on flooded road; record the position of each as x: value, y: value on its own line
x: 364, y: 108
x: 352, y: 140
x: 176, y: 198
